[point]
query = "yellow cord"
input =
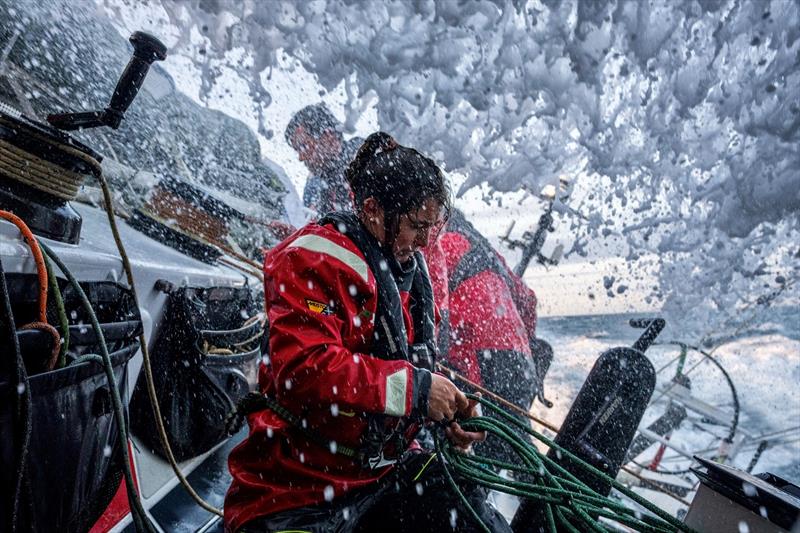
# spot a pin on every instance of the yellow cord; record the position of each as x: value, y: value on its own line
x: 39, y: 173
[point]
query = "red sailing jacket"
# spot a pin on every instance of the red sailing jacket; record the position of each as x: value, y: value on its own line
x: 321, y: 298
x: 489, y: 309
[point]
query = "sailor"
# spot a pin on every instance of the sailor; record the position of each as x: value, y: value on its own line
x: 316, y: 136
x: 349, y: 380
x: 489, y: 327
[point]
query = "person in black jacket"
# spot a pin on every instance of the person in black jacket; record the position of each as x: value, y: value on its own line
x: 316, y: 136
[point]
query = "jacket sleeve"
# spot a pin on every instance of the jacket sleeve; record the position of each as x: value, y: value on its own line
x: 313, y: 311
x: 524, y: 299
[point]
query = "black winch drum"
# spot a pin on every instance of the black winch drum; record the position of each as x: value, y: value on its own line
x: 46, y: 215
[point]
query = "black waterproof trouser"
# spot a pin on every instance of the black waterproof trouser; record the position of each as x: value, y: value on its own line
x: 415, y: 496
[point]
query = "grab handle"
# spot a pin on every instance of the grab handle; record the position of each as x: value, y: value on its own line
x: 653, y: 327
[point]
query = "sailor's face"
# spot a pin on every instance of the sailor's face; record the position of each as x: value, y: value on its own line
x: 416, y: 229
x: 315, y: 152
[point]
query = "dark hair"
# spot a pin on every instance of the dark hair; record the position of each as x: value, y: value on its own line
x: 400, y: 178
x: 316, y: 119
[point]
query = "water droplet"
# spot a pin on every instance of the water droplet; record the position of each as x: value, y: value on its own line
x: 310, y: 285
x: 419, y: 488
x: 335, y: 389
x: 743, y: 527
x: 352, y: 290
x: 270, y: 433
x: 749, y: 490
x: 20, y: 388
x: 73, y: 314
x: 346, y: 513
x: 282, y: 287
x: 357, y: 321
x: 332, y: 445
x: 335, y: 409
x: 383, y: 265
x: 328, y: 493
x: 453, y: 518
x: 288, y: 384
x: 356, y: 358
x: 107, y: 451
x: 302, y: 457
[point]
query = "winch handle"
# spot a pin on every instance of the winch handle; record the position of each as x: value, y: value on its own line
x: 146, y: 49
x: 653, y: 327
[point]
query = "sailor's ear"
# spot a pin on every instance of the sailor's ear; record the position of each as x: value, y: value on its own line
x: 371, y: 209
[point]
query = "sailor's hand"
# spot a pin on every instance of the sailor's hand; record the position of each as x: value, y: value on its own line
x: 461, y: 438
x: 281, y: 230
x: 444, y: 399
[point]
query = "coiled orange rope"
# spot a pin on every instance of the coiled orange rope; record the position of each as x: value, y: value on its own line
x: 41, y: 271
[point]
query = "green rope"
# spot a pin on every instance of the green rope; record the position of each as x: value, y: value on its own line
x: 568, y: 503
x: 681, y: 359
x: 141, y: 521
x: 62, y: 312
x: 89, y: 357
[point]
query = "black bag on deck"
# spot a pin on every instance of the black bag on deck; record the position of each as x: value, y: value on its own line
x: 205, y: 359
x: 74, y: 461
x: 74, y: 455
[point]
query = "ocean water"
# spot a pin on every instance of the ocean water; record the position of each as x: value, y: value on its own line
x: 763, y: 363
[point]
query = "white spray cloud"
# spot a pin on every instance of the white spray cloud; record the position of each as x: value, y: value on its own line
x: 682, y: 118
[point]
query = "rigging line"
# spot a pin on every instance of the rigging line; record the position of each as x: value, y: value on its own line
x: 764, y: 305
x: 554, y: 484
x: 776, y: 433
x: 159, y: 421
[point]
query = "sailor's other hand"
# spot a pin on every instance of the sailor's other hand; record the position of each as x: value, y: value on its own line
x: 444, y: 399
x: 281, y: 230
x: 458, y: 436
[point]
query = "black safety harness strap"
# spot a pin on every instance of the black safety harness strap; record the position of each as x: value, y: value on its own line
x: 253, y: 402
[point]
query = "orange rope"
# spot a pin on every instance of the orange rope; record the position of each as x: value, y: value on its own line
x: 37, y: 257
x: 41, y: 270
x: 53, y: 332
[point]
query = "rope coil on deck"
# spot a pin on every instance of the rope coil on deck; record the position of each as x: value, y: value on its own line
x: 568, y: 504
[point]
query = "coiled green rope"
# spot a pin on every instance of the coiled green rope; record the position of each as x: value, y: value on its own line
x: 60, y: 311
x: 141, y: 521
x: 568, y: 504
